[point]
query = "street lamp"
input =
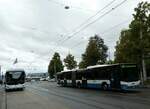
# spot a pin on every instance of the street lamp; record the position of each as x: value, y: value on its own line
x: 67, y: 7
x: 143, y: 73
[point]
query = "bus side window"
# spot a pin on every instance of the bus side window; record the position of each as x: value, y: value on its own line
x: 101, y: 73
x: 78, y: 75
x: 90, y: 74
x: 97, y: 74
x: 68, y: 75
x: 61, y: 76
x: 108, y: 71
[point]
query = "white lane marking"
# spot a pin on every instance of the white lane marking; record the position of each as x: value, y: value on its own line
x: 39, y: 88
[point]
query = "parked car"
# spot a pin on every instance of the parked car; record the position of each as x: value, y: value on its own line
x: 52, y: 80
x: 43, y: 79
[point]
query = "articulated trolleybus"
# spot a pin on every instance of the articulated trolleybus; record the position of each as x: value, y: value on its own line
x: 115, y: 76
x: 14, y: 79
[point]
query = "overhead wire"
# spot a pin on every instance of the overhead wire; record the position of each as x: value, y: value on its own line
x: 107, y: 5
x: 82, y: 24
x: 115, y: 26
x: 94, y: 21
x: 105, y: 31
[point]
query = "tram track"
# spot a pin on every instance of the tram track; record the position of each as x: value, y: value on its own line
x: 121, y: 96
x: 86, y: 101
x: 49, y: 96
x: 65, y: 97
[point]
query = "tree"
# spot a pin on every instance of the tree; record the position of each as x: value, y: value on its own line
x: 134, y: 43
x: 110, y: 62
x: 55, y: 65
x: 69, y: 61
x: 96, y: 52
x: 124, y: 49
x: 82, y: 64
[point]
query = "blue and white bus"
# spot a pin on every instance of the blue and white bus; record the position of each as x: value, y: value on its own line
x: 15, y: 79
x: 115, y: 76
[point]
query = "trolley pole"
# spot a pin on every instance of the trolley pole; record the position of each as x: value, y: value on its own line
x: 143, y: 72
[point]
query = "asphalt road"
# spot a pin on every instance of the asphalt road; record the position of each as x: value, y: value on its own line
x: 48, y: 95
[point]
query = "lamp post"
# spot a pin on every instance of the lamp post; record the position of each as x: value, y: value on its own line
x: 1, y: 75
x: 143, y: 72
x: 66, y: 7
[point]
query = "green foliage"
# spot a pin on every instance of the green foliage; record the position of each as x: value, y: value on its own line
x: 69, y: 61
x: 135, y: 41
x: 55, y: 65
x: 82, y: 64
x: 125, y: 49
x: 96, y: 52
x: 109, y: 62
x: 147, y: 82
x: 147, y: 61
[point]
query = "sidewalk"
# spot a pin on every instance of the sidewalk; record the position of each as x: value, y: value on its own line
x: 145, y: 86
x: 1, y: 97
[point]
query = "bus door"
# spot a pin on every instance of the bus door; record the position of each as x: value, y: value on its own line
x: 115, y: 79
x: 73, y: 79
x: 84, y: 80
x: 65, y: 81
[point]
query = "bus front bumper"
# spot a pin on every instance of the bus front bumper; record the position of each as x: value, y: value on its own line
x: 18, y: 86
x: 130, y: 85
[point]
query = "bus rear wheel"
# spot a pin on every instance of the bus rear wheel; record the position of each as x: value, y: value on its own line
x: 78, y: 85
x: 62, y: 83
x: 105, y: 86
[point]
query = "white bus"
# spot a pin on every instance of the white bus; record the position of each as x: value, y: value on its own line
x: 15, y: 79
x: 115, y: 76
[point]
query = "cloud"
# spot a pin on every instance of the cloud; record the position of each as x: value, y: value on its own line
x: 32, y: 30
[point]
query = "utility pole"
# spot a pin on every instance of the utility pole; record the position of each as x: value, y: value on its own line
x: 0, y: 70
x: 143, y: 73
x: 109, y: 54
x: 1, y: 74
x: 144, y: 69
x: 54, y: 66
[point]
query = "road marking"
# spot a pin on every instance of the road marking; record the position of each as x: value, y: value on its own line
x: 93, y: 103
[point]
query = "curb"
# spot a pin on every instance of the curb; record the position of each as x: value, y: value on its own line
x: 145, y: 86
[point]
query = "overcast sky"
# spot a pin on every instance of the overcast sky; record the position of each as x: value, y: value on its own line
x: 32, y: 30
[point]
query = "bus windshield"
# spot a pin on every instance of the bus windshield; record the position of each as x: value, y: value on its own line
x: 130, y: 74
x: 15, y: 75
